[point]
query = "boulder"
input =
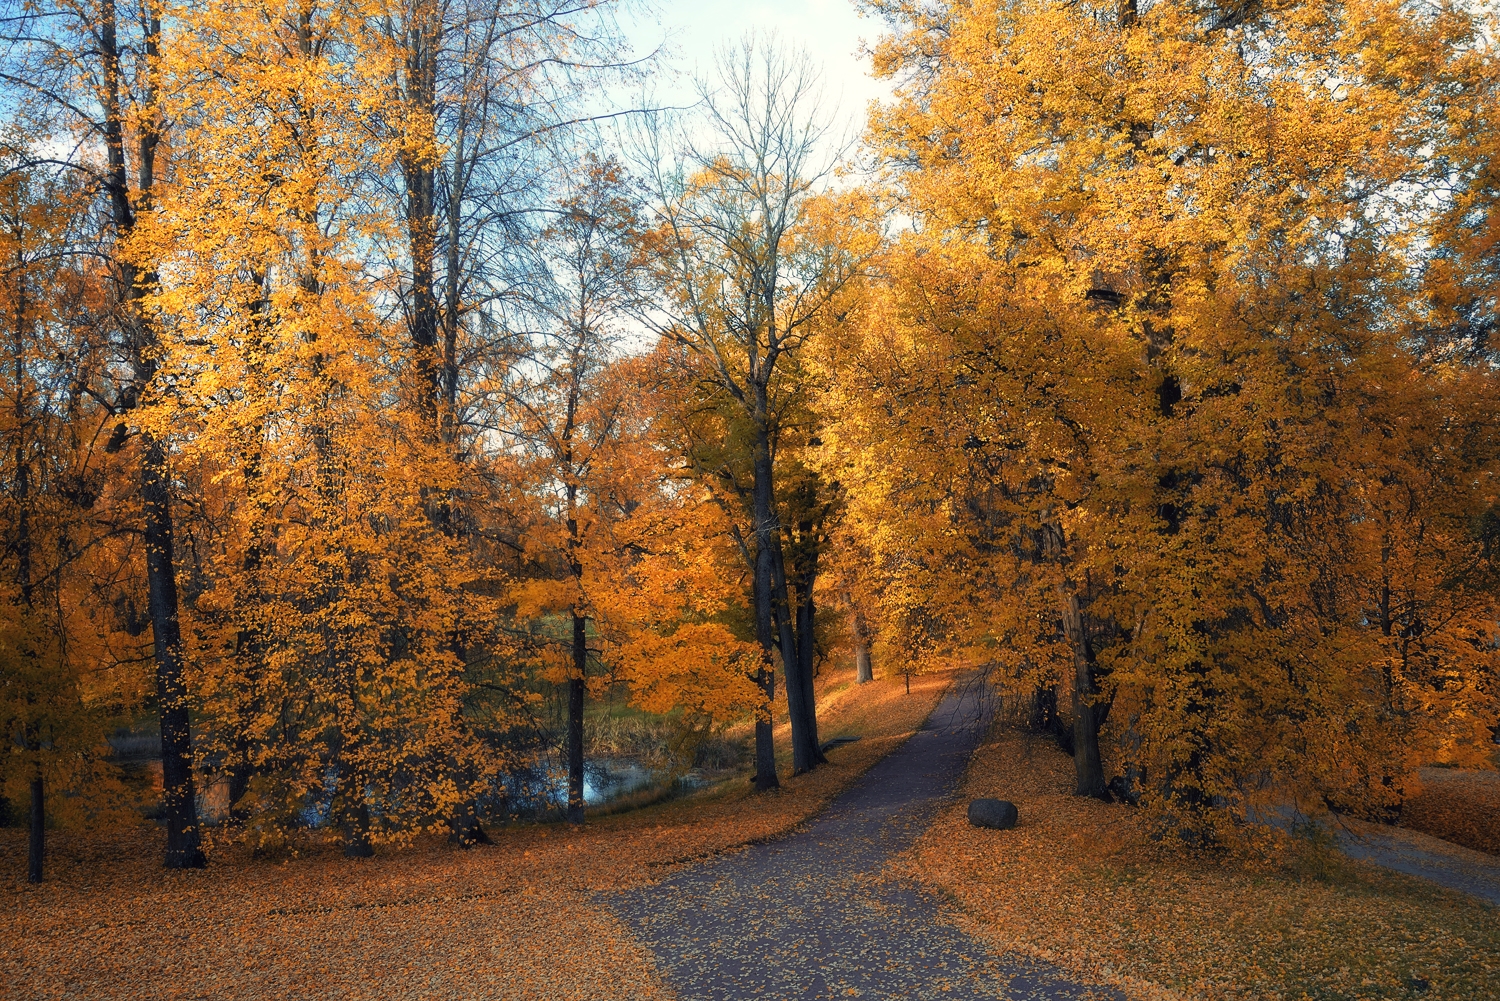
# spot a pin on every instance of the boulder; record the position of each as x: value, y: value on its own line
x: 999, y: 814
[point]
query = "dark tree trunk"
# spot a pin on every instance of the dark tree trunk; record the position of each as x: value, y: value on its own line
x: 1088, y: 714
x: 432, y: 318
x: 765, y: 744
x: 807, y: 652
x: 249, y: 642
x: 419, y: 171
x: 807, y: 646
x: 862, y: 669
x: 161, y: 582
x: 349, y: 806
x: 575, y: 719
x: 771, y: 581
x: 178, y: 797
x: 37, y: 849
x: 357, y: 831
x: 23, y: 464
x: 464, y: 828
x: 765, y: 747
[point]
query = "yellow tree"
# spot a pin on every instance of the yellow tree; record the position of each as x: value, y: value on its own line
x: 69, y: 657
x: 1159, y: 337
x: 90, y: 71
x: 334, y: 633
x: 566, y: 418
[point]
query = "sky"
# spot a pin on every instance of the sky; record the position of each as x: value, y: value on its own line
x: 830, y: 30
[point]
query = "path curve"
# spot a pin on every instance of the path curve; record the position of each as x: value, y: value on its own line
x: 807, y: 916
x: 1416, y: 854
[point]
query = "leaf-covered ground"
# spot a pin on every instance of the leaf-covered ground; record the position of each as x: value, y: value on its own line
x: 518, y: 919
x: 1457, y: 804
x: 1080, y: 883
x: 807, y: 917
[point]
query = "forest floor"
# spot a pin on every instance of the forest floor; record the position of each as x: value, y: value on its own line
x: 546, y: 912
x: 1083, y: 885
x: 523, y: 918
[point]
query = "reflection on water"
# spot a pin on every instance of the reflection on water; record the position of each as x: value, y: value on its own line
x: 608, y: 779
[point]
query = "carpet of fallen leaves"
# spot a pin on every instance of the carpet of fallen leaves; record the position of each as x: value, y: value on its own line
x: 1081, y: 883
x: 1459, y: 805
x: 518, y: 919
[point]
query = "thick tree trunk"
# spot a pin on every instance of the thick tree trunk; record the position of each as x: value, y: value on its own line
x: 464, y: 828
x: 575, y: 719
x: 807, y: 649
x: 1088, y: 715
x: 357, y: 831
x: 349, y: 807
x: 772, y: 582
x: 765, y: 744
x: 37, y: 849
x: 765, y: 747
x: 862, y: 668
x: 432, y: 319
x: 178, y: 798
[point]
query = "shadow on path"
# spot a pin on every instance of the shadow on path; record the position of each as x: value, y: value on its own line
x: 807, y: 916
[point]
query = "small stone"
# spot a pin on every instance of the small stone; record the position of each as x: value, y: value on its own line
x: 999, y: 814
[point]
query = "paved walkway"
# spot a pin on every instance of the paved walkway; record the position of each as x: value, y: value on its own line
x: 1415, y: 854
x: 807, y: 916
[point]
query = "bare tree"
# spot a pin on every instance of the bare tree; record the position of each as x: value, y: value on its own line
x: 744, y: 278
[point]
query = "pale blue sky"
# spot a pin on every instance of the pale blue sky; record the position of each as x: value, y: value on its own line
x: 830, y: 30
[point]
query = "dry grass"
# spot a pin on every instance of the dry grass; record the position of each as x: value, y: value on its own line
x: 518, y: 919
x: 1458, y: 805
x: 1081, y: 884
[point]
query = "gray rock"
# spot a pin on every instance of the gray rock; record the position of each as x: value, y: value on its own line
x: 997, y: 813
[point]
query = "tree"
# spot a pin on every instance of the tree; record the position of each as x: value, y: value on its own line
x: 58, y: 680
x: 1137, y: 376
x: 336, y: 617
x: 565, y: 412
x: 746, y: 270
x: 80, y: 70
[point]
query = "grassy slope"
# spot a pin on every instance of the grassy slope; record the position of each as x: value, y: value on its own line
x: 1080, y: 883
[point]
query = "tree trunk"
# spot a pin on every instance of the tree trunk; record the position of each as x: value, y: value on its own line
x: 464, y: 828
x: 771, y: 583
x: 178, y: 798
x: 575, y: 719
x: 765, y: 748
x: 357, y: 831
x: 765, y: 745
x: 37, y: 849
x: 249, y: 641
x: 862, y: 670
x: 807, y: 649
x: 1087, y: 713
x: 178, y: 801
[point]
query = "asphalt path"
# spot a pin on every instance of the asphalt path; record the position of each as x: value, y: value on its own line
x: 1440, y: 862
x: 809, y: 915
